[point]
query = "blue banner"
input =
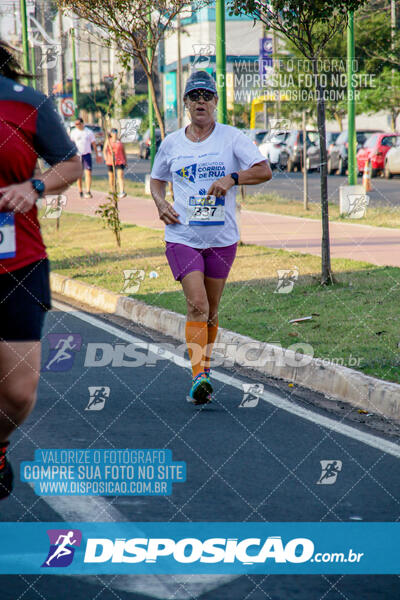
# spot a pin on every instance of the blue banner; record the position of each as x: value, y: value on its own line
x: 200, y: 548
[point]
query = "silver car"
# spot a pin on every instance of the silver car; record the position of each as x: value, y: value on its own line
x: 392, y: 161
x: 274, y: 149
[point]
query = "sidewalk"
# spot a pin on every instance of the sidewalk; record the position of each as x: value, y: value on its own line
x: 376, y: 245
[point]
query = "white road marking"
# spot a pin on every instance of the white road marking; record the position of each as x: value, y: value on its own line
x: 273, y: 399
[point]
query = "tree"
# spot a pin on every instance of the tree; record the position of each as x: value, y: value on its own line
x: 384, y: 94
x: 135, y: 27
x: 309, y: 26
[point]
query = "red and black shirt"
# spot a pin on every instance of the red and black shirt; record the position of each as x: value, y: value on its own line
x: 30, y: 128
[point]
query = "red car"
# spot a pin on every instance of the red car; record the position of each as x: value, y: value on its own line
x: 375, y: 149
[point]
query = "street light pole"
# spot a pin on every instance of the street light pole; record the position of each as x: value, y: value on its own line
x: 179, y: 74
x: 351, y: 127
x: 221, y: 59
x: 24, y: 29
x: 150, y: 99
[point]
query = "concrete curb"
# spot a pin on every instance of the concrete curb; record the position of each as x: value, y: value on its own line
x: 338, y: 382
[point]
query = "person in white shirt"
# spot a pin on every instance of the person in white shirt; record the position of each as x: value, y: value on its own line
x: 204, y: 162
x: 84, y: 140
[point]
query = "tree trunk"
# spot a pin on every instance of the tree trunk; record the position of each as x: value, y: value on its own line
x: 326, y: 272
x: 155, y: 104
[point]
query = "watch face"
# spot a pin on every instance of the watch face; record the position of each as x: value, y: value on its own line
x: 38, y: 185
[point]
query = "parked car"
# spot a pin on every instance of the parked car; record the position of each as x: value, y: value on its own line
x: 98, y: 134
x: 337, y: 159
x: 294, y: 147
x: 313, y: 151
x: 257, y: 136
x: 392, y: 161
x: 144, y: 144
x: 274, y: 149
x: 375, y: 149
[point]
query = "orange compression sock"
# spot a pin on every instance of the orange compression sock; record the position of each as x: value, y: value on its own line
x: 212, y: 334
x: 196, y: 335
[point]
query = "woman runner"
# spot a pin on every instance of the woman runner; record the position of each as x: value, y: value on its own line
x: 204, y: 162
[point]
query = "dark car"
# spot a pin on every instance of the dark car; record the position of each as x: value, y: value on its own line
x: 294, y: 147
x: 337, y: 159
x: 144, y: 144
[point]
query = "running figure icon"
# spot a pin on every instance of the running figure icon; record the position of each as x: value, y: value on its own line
x: 62, y: 346
x: 62, y: 549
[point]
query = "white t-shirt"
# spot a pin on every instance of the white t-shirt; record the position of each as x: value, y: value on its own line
x: 193, y: 167
x: 83, y: 140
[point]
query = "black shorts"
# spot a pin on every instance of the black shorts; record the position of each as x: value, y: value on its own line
x: 110, y: 169
x: 24, y: 300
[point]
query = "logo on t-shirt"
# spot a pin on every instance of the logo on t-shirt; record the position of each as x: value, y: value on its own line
x: 188, y: 172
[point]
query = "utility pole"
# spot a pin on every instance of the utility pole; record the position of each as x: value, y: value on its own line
x: 221, y: 59
x: 24, y: 29
x: 74, y: 82
x: 351, y: 127
x: 179, y: 75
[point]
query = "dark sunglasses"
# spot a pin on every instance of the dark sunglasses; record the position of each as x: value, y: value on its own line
x: 195, y: 95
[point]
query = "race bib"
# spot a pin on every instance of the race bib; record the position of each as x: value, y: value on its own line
x: 206, y: 210
x: 7, y: 236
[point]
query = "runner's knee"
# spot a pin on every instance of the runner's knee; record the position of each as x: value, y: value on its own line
x: 198, y: 307
x: 17, y: 397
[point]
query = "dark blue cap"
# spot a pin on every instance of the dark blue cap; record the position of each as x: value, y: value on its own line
x: 200, y: 80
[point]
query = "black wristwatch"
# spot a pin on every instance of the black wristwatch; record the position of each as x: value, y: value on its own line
x: 38, y: 186
x: 235, y: 177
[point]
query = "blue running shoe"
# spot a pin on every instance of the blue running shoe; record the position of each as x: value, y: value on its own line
x: 201, y: 390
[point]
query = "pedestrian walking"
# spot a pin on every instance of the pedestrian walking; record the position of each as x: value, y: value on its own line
x: 115, y: 159
x: 85, y: 142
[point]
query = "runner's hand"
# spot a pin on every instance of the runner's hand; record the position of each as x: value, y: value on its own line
x: 167, y: 213
x: 19, y: 197
x: 221, y: 186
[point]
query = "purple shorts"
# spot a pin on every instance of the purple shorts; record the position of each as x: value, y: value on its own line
x: 213, y: 262
x: 87, y: 161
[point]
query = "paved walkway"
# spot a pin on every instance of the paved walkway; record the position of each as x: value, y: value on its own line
x: 377, y: 245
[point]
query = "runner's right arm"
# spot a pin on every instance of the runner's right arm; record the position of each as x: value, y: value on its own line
x: 165, y: 209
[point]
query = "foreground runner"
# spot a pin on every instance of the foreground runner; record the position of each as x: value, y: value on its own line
x: 29, y: 128
x: 203, y: 161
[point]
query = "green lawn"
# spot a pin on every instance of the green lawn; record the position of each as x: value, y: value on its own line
x: 356, y: 319
x: 384, y: 216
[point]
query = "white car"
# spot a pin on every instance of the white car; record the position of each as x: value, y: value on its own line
x: 274, y: 149
x: 392, y: 161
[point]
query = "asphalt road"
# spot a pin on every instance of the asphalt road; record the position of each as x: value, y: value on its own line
x: 257, y: 463
x: 384, y: 192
